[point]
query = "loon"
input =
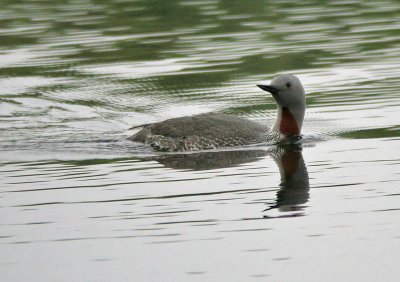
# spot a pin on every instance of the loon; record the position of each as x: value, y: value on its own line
x: 217, y: 130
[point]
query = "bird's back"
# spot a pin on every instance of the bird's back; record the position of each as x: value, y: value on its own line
x: 201, y: 132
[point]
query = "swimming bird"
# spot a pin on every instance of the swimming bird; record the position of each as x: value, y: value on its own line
x: 216, y: 130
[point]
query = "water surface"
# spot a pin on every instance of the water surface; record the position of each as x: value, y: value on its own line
x: 80, y: 202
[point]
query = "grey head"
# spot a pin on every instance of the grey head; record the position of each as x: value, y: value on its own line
x: 290, y: 97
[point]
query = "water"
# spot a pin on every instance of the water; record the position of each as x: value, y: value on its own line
x: 79, y: 202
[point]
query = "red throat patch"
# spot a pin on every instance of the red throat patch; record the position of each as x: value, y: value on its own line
x: 288, y: 125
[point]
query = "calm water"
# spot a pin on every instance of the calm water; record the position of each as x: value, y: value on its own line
x: 78, y: 202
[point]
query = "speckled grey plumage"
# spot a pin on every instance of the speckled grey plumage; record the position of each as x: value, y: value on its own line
x: 202, y: 132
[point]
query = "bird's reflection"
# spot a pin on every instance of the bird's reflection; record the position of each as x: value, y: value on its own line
x: 210, y: 160
x: 294, y: 187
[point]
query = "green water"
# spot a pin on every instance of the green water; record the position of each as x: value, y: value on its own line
x: 79, y: 202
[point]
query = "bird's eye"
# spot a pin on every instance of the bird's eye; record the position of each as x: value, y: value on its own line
x: 288, y: 84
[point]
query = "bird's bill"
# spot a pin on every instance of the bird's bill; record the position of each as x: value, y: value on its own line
x: 269, y: 88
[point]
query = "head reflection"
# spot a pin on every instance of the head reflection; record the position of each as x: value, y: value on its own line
x: 294, y: 188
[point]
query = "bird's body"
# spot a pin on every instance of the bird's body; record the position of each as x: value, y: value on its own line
x: 202, y: 132
x: 215, y: 130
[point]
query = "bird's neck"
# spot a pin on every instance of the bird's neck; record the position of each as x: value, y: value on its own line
x: 289, y: 121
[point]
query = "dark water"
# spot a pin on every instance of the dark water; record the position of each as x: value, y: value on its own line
x: 78, y: 202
